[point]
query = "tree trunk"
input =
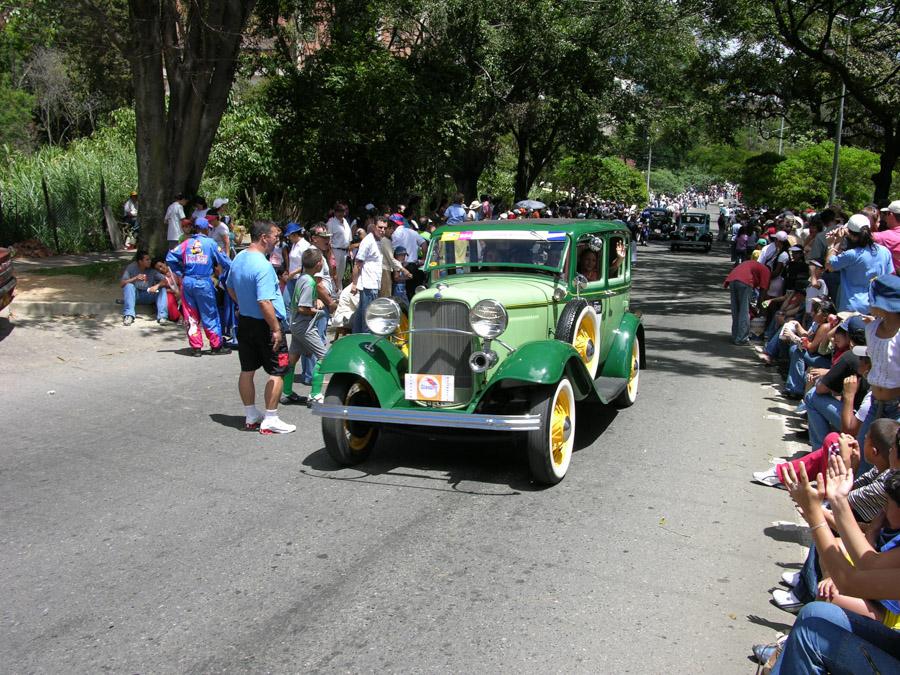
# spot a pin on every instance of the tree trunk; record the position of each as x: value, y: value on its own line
x: 469, y: 164
x: 197, y: 50
x: 887, y: 162
x: 523, y: 169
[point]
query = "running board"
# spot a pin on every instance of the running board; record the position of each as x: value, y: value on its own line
x: 608, y: 388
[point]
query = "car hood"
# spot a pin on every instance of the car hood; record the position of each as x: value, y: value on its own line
x: 511, y: 290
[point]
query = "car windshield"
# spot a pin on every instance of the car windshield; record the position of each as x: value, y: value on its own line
x: 498, y: 251
x: 693, y: 220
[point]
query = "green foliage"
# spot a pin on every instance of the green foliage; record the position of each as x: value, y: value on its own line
x: 607, y: 177
x: 15, y: 115
x: 758, y: 178
x: 803, y: 180
x: 73, y: 184
x: 720, y: 161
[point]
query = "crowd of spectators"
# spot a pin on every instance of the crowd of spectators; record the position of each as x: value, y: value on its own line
x: 820, y: 294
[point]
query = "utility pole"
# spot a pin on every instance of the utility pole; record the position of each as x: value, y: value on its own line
x: 781, y: 136
x: 839, y: 127
x: 649, y: 158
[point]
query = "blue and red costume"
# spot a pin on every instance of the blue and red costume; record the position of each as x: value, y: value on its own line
x: 194, y: 260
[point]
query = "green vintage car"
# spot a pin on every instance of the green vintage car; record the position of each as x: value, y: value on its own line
x: 519, y: 321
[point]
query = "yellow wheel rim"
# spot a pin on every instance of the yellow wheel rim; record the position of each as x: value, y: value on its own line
x: 562, y: 427
x: 358, y: 441
x: 635, y: 369
x: 586, y: 340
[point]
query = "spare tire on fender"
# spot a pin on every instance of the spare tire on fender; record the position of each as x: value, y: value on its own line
x: 579, y: 325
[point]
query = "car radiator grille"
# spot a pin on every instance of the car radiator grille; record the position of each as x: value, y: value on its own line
x: 442, y: 353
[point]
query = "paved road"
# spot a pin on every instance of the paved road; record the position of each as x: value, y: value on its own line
x: 142, y: 531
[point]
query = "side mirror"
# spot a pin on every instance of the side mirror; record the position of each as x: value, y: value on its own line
x: 581, y: 282
x: 595, y: 244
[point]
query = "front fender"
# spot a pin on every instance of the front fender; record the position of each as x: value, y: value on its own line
x: 545, y: 362
x: 618, y: 361
x: 377, y: 361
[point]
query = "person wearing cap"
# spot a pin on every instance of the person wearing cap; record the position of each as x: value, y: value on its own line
x: 174, y: 216
x: 889, y: 235
x: 816, y: 288
x: 296, y: 246
x: 401, y: 276
x: 415, y: 245
x: 883, y: 347
x: 757, y: 251
x: 341, y: 238
x: 130, y: 211
x: 194, y: 260
x: 837, y: 394
x: 858, y: 264
x: 218, y: 230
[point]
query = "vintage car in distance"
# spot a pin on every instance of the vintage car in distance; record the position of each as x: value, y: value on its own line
x: 692, y: 231
x: 7, y: 278
x: 660, y: 223
x: 519, y: 322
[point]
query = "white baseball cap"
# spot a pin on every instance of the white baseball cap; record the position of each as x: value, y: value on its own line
x: 857, y: 222
x: 218, y: 202
x: 893, y: 207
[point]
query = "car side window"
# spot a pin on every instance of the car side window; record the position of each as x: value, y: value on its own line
x: 617, y: 259
x: 588, y: 261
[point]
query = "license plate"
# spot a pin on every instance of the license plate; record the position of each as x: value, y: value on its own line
x: 429, y: 387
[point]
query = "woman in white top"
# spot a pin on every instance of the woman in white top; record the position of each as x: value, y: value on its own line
x: 341, y: 237
x: 883, y: 349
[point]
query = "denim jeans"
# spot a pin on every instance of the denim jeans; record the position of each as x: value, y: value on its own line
x: 807, y: 588
x: 823, y: 415
x: 800, y: 361
x: 366, y: 297
x: 740, y: 311
x: 132, y: 296
x: 828, y: 639
x: 774, y: 347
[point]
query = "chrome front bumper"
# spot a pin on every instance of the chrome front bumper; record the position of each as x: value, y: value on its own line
x: 429, y: 418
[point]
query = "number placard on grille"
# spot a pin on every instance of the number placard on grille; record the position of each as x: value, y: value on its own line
x: 429, y: 387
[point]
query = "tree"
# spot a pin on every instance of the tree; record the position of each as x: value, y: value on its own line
x: 803, y: 179
x: 190, y: 51
x: 800, y: 51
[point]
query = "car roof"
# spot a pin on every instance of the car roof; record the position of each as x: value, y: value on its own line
x: 575, y: 226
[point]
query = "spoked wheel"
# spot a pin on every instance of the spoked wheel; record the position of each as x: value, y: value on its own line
x: 550, y: 447
x: 349, y: 442
x: 579, y: 325
x: 629, y: 394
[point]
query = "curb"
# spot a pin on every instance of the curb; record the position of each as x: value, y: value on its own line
x: 97, y: 310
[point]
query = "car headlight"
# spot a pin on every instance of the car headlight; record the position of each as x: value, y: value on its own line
x: 383, y: 316
x: 488, y: 319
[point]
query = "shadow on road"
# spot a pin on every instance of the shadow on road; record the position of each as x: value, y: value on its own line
x: 230, y: 421
x: 6, y: 327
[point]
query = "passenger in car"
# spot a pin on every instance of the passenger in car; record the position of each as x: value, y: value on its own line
x: 615, y: 265
x: 588, y: 265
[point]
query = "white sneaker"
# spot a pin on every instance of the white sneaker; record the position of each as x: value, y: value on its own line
x: 251, y: 422
x: 787, y: 601
x: 768, y: 477
x: 791, y: 578
x: 274, y: 425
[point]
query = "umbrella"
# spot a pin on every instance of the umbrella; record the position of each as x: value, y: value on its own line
x: 531, y: 204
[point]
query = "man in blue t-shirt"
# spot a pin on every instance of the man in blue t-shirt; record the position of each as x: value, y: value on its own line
x: 456, y: 212
x: 253, y: 285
